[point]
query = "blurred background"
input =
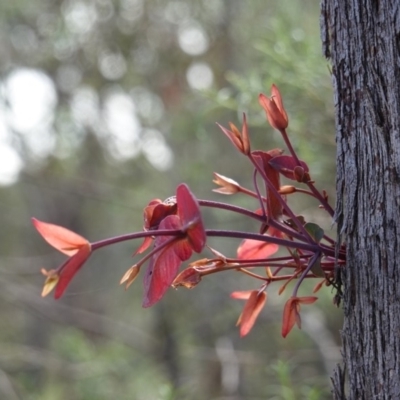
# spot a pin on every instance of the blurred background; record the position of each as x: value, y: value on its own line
x: 107, y: 104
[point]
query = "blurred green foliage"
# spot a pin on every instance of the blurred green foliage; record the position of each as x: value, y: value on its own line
x: 106, y: 105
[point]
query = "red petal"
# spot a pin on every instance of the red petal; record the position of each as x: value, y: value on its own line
x: 274, y: 206
x: 190, y: 216
x: 319, y: 285
x: 156, y: 211
x: 70, y: 268
x: 276, y: 95
x: 160, y: 274
x: 245, y: 136
x: 62, y: 239
x: 233, y: 136
x: 144, y: 246
x: 289, y: 316
x: 241, y: 295
x: 254, y: 249
x: 251, y: 310
x: 291, y: 312
x: 307, y: 299
x: 164, y: 265
x: 275, y: 112
x: 269, y: 107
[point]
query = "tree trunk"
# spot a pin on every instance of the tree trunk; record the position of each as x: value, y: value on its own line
x: 362, y: 40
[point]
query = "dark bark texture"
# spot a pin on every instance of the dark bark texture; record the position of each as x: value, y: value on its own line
x: 362, y: 40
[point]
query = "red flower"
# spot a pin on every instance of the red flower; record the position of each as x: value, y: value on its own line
x: 68, y: 242
x: 171, y: 251
x: 291, y: 312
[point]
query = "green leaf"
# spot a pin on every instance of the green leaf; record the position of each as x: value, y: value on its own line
x: 315, y: 231
x: 316, y: 268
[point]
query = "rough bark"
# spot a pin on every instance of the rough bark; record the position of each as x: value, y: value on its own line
x: 362, y: 40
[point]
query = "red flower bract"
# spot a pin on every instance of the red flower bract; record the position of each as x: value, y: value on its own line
x: 254, y: 304
x: 61, y: 238
x: 69, y: 243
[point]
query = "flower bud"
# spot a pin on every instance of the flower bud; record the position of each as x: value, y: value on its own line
x: 274, y: 109
x: 228, y: 185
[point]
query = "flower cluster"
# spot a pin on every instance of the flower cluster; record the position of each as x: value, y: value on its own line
x: 173, y: 229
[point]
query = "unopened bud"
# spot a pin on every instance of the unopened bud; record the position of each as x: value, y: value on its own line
x: 287, y: 189
x: 274, y: 109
